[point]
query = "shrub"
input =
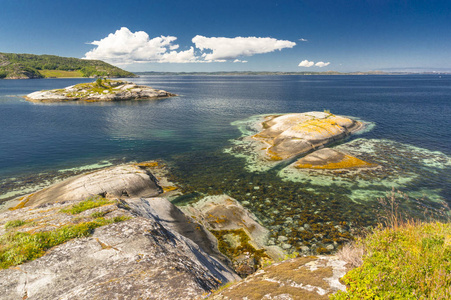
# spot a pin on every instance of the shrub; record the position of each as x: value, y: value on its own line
x: 402, y: 258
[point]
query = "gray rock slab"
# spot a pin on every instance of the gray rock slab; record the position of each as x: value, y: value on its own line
x: 134, y: 259
x: 124, y: 181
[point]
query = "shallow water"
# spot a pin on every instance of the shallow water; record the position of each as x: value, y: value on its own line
x: 195, y: 132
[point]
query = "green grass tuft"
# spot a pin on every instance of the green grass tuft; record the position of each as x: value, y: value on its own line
x: 89, y: 203
x: 19, y: 247
x: 14, y: 223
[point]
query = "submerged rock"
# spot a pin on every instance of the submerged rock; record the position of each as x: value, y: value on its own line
x: 239, y: 234
x: 293, y: 134
x: 104, y: 90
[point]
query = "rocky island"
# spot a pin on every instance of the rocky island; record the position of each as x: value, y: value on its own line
x: 299, y: 139
x: 100, y: 90
x: 299, y: 133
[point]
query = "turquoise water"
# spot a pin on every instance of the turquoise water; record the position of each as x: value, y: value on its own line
x: 199, y: 134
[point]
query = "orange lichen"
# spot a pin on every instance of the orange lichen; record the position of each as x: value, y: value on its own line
x: 272, y: 155
x: 348, y: 162
x: 169, y: 188
x: 317, y: 125
x: 148, y: 164
x: 23, y: 201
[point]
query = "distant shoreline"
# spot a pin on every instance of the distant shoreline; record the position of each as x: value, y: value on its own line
x: 242, y: 73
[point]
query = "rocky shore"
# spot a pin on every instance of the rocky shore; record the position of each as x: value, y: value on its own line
x: 101, y: 90
x: 112, y: 233
x: 118, y: 231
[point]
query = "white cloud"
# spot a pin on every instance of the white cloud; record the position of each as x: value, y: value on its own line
x: 322, y: 64
x: 125, y: 47
x: 240, y: 61
x: 179, y: 57
x: 306, y: 64
x: 303, y: 40
x: 230, y: 48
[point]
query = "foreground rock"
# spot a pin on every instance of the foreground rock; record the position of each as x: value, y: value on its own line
x: 134, y: 257
x: 126, y: 181
x: 104, y: 90
x: 239, y: 234
x: 290, y: 135
x: 300, y: 278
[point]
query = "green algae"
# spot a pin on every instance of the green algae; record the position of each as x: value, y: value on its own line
x: 401, y: 166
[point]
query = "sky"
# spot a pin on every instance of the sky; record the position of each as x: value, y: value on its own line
x: 244, y: 35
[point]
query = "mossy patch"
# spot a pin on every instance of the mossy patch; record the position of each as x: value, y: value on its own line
x: 19, y: 247
x: 14, y: 224
x: 89, y: 203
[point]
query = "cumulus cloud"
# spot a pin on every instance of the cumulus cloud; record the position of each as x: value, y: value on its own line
x: 303, y: 40
x: 306, y: 64
x: 240, y: 61
x: 322, y: 64
x: 230, y: 48
x: 125, y: 47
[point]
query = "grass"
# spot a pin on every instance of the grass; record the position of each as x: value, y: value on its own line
x: 19, y: 247
x: 61, y: 74
x: 402, y: 258
x: 14, y: 224
x: 89, y: 203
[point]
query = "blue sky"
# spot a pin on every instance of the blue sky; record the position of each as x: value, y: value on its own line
x: 234, y: 35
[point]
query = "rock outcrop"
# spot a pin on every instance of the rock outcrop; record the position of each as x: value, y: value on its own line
x: 127, y: 181
x: 133, y: 257
x: 105, y: 90
x: 299, y: 278
x: 239, y: 234
x: 105, y: 235
x: 290, y: 135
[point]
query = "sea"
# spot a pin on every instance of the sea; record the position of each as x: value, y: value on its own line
x: 200, y: 134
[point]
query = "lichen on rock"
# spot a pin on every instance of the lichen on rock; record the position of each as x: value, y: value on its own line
x: 330, y: 159
x: 293, y: 134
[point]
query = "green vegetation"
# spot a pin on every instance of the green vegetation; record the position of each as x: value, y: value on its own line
x: 38, y: 66
x: 89, y: 203
x: 412, y: 261
x: 61, y: 74
x: 14, y: 224
x: 402, y: 258
x: 19, y: 247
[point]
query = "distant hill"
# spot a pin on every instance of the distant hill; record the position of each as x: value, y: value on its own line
x: 245, y: 73
x: 25, y: 66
